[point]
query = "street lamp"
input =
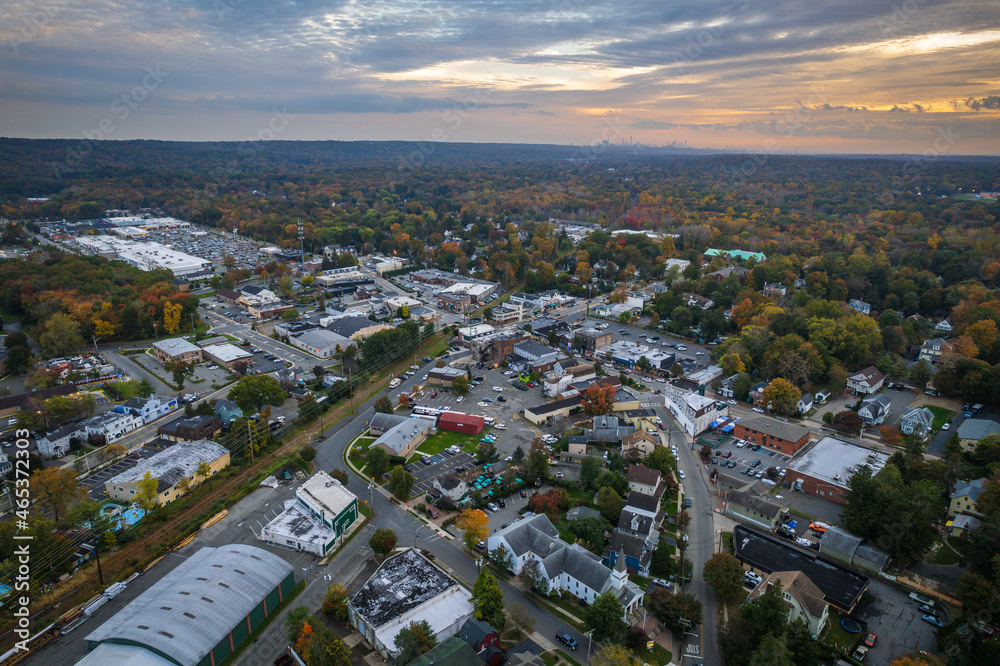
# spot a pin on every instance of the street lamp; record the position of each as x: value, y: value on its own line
x: 590, y: 641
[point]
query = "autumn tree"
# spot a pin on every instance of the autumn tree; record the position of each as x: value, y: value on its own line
x: 781, y: 396
x: 382, y: 541
x: 147, y: 497
x: 335, y: 601
x: 732, y: 364
x: 615, y: 655
x: 551, y: 502
x: 597, y: 400
x: 294, y: 621
x: 60, y: 336
x: 56, y: 488
x: 383, y: 405
x: 475, y: 525
x: 413, y: 641
x: 172, y: 317
x: 461, y: 385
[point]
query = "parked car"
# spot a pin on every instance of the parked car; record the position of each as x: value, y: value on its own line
x: 566, y: 639
x: 492, y: 507
x: 481, y: 545
x: 502, y: 503
x: 946, y: 426
x: 524, y: 492
x: 680, y: 473
x: 870, y: 640
x: 933, y: 619
x: 860, y: 653
x: 750, y: 578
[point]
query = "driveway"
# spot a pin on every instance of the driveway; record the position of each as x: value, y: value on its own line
x: 895, y: 619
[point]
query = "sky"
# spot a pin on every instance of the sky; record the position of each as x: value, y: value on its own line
x: 843, y: 76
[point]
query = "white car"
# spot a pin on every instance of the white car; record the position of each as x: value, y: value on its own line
x: 498, y: 389
x: 699, y: 353
x: 946, y: 426
x: 740, y: 443
x: 680, y: 473
x: 461, y: 398
x: 731, y: 402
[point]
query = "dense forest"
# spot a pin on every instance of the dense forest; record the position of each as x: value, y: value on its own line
x: 908, y: 236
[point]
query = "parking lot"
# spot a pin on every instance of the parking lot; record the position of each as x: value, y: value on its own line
x: 742, y: 457
x: 95, y: 482
x: 440, y: 465
x: 262, y: 363
x: 211, y: 245
x: 896, y: 620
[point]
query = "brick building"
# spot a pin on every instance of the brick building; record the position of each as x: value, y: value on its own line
x: 777, y: 435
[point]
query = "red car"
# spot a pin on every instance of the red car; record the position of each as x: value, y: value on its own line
x: 532, y: 384
x: 870, y: 641
x: 434, y: 395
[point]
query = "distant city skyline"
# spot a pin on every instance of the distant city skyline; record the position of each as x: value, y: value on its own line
x: 852, y: 76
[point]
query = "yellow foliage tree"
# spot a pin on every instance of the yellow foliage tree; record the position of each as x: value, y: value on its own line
x: 103, y: 329
x: 172, y: 317
x: 475, y: 525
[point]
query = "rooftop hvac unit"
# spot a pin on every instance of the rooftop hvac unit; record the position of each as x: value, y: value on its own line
x: 836, y: 477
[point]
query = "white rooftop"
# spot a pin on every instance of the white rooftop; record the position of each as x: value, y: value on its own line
x: 831, y: 457
x: 294, y: 523
x: 173, y: 463
x: 325, y: 495
x: 227, y: 353
x: 175, y: 346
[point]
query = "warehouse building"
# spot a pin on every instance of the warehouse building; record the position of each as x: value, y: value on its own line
x: 171, y: 467
x: 197, y: 614
x: 407, y: 588
x: 461, y: 422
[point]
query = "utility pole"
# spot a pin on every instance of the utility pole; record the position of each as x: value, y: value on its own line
x: 302, y: 250
x: 95, y: 343
x: 250, y: 444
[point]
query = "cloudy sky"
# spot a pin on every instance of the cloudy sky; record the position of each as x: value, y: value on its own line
x: 870, y: 76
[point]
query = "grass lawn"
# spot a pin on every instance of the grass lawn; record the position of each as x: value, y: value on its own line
x: 641, y: 581
x: 941, y: 414
x: 362, y: 443
x: 658, y: 655
x: 727, y: 542
x: 835, y: 635
x: 443, y: 439
x: 550, y: 659
x: 568, y: 658
x: 942, y: 555
x: 800, y: 514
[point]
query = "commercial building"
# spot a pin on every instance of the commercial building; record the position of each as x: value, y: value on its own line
x: 403, y: 439
x: 469, y: 424
x: 470, y: 333
x: 176, y: 349
x: 110, y: 425
x: 320, y: 342
x: 841, y: 545
x: 408, y: 587
x: 694, y: 411
x: 322, y: 512
x: 175, y: 469
x: 445, y: 376
x: 146, y: 256
x: 552, y: 411
x: 227, y: 355
x: 198, y: 614
x: 781, y: 436
x: 380, y: 422
x: 825, y: 468
x: 356, y: 328
x: 148, y: 409
x: 764, y: 553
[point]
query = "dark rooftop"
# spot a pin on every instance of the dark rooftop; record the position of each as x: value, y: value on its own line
x: 403, y: 582
x: 841, y: 586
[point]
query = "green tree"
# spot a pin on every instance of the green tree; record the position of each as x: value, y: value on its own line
x: 382, y: 541
x: 294, y: 620
x: 662, y: 459
x: 400, y: 483
x: 414, y: 640
x: 920, y: 374
x: 604, y: 618
x: 610, y: 503
x: 725, y: 574
x: 805, y: 651
x: 253, y: 392
x: 675, y: 610
x: 179, y: 370
x: 19, y: 359
x: 335, y: 601
x: 772, y: 651
x: 591, y: 530
x: 768, y: 614
x: 61, y: 336
x: 383, y: 405
x: 661, y: 564
x: 378, y: 461
x: 144, y: 389
x: 488, y: 600
x: 590, y: 469
x: 461, y: 385
x: 614, y: 480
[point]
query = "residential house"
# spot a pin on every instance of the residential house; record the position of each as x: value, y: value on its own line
x: 483, y: 639
x: 869, y: 380
x: 805, y: 601
x: 965, y: 497
x: 451, y: 486
x: 874, y: 410
x: 756, y: 393
x: 774, y: 289
x: 860, y: 306
x: 452, y: 651
x: 227, y: 410
x: 636, y: 553
x: 639, y: 525
x: 148, y: 409
x: 199, y: 426
x: 56, y: 444
x: 607, y: 430
x: 638, y: 444
x: 961, y: 525
x: 727, y: 271
x: 972, y: 431
x: 946, y: 325
x: 642, y: 418
x: 805, y: 403
x: 822, y: 396
x: 917, y: 421
x: 696, y: 301
x: 932, y: 350
x: 726, y: 388
x: 642, y: 479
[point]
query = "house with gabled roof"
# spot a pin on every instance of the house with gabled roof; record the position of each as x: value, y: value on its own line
x: 946, y: 325
x: 965, y: 498
x: 643, y: 479
x: 804, y: 600
x: 917, y: 421
x: 869, y: 380
x: 874, y: 410
x: 635, y: 551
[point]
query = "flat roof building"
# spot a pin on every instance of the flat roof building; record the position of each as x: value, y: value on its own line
x: 782, y: 436
x: 176, y: 349
x: 227, y: 355
x: 408, y: 587
x: 170, y: 467
x: 144, y: 255
x: 825, y: 468
x: 197, y: 614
